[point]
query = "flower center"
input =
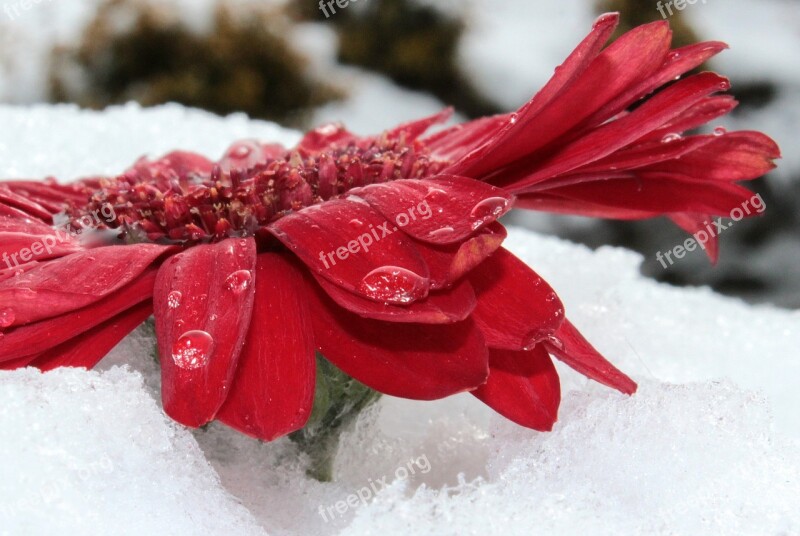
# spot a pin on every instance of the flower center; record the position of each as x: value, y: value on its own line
x: 159, y: 203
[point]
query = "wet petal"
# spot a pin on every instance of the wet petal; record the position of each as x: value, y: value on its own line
x: 351, y: 245
x: 522, y: 387
x: 441, y: 210
x: 516, y: 308
x: 75, y: 281
x: 447, y: 263
x: 41, y: 336
x: 87, y: 349
x: 273, y: 388
x: 203, y: 302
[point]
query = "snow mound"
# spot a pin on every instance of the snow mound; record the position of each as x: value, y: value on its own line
x: 90, y: 453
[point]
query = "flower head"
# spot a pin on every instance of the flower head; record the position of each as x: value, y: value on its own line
x: 382, y: 253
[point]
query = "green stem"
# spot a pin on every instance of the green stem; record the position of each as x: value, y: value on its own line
x: 338, y: 401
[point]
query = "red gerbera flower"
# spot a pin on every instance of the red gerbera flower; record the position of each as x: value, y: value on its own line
x: 383, y: 253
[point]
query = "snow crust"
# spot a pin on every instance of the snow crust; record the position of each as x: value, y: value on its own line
x: 709, y: 445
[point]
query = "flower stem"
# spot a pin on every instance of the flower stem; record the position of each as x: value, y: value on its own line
x: 338, y: 401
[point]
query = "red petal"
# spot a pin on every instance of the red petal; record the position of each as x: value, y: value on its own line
x: 69, y: 283
x: 34, y: 247
x: 516, y: 308
x: 448, y: 263
x: 695, y: 116
x: 443, y: 307
x: 569, y: 346
x: 616, y: 134
x: 246, y: 154
x: 654, y: 193
x: 88, y: 349
x: 414, y: 129
x: 273, y: 389
x: 41, y: 336
x: 323, y: 137
x: 20, y: 202
x: 416, y: 361
x: 451, y: 144
x: 735, y: 156
x: 522, y: 387
x: 203, y: 302
x: 694, y: 224
x: 441, y: 210
x: 511, y: 143
x: 389, y: 271
x: 677, y: 62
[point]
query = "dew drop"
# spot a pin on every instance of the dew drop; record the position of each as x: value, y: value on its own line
x: 241, y: 151
x: 192, y: 350
x: 441, y: 232
x: 555, y: 341
x: 669, y: 138
x: 239, y: 281
x: 435, y: 195
x: 720, y: 131
x: 174, y: 299
x: 7, y: 317
x: 488, y: 211
x: 392, y: 284
x: 355, y: 222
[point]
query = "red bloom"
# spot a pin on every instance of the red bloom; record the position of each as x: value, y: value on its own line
x: 383, y: 253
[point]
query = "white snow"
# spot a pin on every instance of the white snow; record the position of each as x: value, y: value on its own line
x: 710, y: 444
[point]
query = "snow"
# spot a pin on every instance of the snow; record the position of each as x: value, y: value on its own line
x: 90, y: 453
x: 710, y: 444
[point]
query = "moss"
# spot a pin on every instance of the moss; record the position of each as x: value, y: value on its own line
x: 244, y: 63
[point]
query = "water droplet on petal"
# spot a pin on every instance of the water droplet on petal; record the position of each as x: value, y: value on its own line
x: 671, y: 137
x: 441, y: 232
x: 488, y: 211
x: 392, y: 284
x: 555, y: 341
x: 724, y: 85
x: 193, y: 350
x: 356, y: 223
x: 7, y: 317
x: 719, y: 131
x: 241, y: 151
x: 174, y: 299
x: 239, y: 281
